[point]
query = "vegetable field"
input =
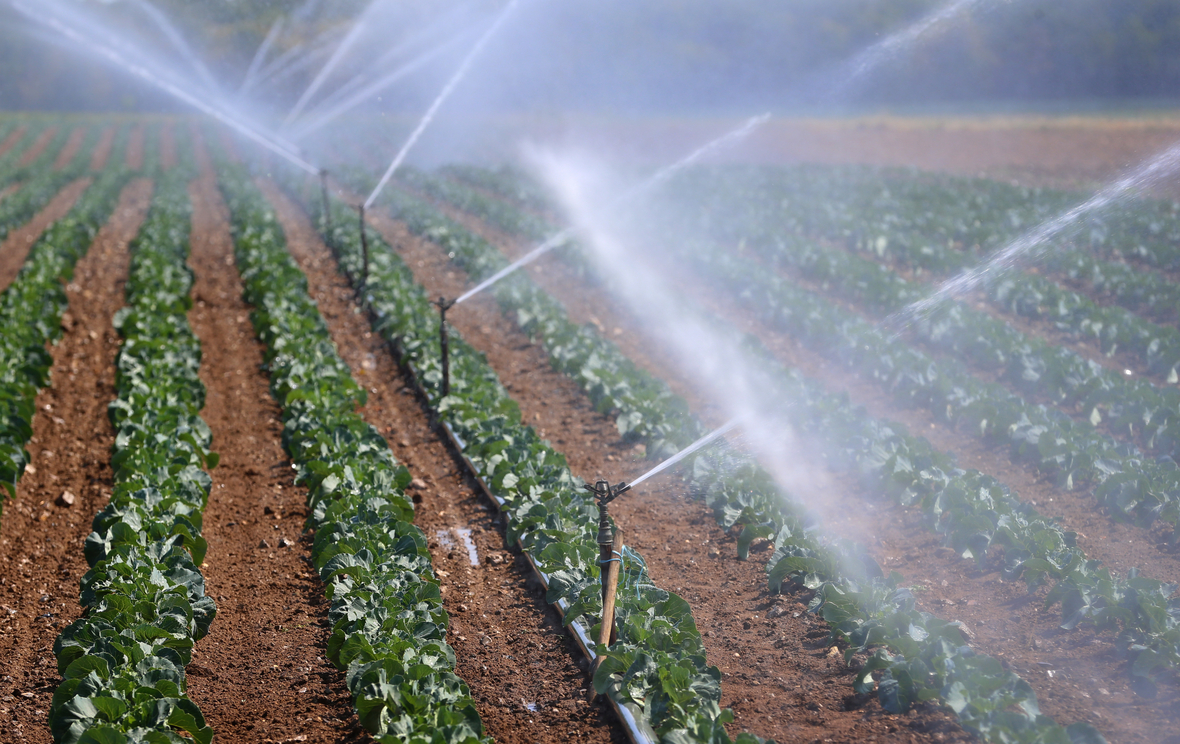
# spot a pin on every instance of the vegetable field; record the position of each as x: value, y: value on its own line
x: 239, y: 502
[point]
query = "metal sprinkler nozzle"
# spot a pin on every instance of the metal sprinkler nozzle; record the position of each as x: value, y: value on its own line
x: 444, y: 345
x: 609, y: 560
x: 604, y: 493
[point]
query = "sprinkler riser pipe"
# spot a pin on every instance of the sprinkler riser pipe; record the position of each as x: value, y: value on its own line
x: 444, y: 343
x: 324, y: 198
x: 364, y: 254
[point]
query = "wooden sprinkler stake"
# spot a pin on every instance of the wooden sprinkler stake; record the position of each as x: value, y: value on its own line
x: 324, y: 197
x: 444, y: 345
x: 365, y: 254
x: 609, y: 559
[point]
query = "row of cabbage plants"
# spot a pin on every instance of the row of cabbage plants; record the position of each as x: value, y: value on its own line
x: 657, y: 668
x: 30, y: 316
x: 44, y: 182
x: 388, y: 622
x: 974, y: 512
x: 864, y: 607
x: 123, y: 663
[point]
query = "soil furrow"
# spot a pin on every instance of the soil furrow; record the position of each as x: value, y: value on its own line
x: 168, y: 144
x: 135, y: 146
x: 102, y: 150
x: 1088, y: 681
x: 38, y: 146
x: 260, y: 675
x: 778, y: 674
x: 71, y: 148
x: 16, y: 246
x: 11, y: 140
x: 509, y: 643
x: 69, y: 481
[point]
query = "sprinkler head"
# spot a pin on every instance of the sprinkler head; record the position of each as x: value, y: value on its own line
x: 443, y: 304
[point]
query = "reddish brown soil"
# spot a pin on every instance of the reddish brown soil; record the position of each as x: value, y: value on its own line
x: 11, y: 140
x: 135, y: 144
x: 1004, y: 620
x: 71, y: 148
x: 509, y: 644
x: 802, y: 696
x: 38, y: 146
x: 16, y: 246
x: 102, y: 150
x: 1059, y: 151
x: 260, y: 675
x: 168, y: 144
x: 41, y: 542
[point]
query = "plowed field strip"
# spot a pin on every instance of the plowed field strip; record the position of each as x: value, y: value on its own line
x: 261, y: 672
x: 71, y: 147
x: 38, y: 146
x: 15, y: 247
x: 135, y: 146
x: 102, y: 151
x: 778, y: 676
x: 41, y: 536
x: 1004, y: 618
x: 11, y: 140
x: 508, y: 642
x: 168, y: 144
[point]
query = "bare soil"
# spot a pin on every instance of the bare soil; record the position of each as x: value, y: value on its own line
x: 779, y: 676
x: 71, y: 148
x: 102, y: 150
x: 38, y: 146
x: 260, y: 675
x: 1077, y: 675
x: 16, y: 246
x: 135, y: 144
x: 41, y: 539
x: 168, y: 144
x: 11, y: 140
x: 526, y: 674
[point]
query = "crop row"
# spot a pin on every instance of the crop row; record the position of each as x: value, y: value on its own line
x: 657, y: 668
x: 850, y: 591
x: 388, y: 623
x: 973, y: 512
x: 123, y: 662
x: 11, y: 171
x: 42, y: 185
x: 30, y: 316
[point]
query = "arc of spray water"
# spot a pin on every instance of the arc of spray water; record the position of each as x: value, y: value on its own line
x: 1033, y: 243
x: 345, y: 46
x: 167, y: 86
x: 698, y: 444
x: 330, y: 111
x: 442, y: 97
x: 635, y: 191
x: 260, y: 56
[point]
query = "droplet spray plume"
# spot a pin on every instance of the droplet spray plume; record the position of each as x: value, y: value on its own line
x: 112, y: 55
x: 442, y: 97
x: 1036, y: 242
x: 697, y: 445
x: 629, y: 195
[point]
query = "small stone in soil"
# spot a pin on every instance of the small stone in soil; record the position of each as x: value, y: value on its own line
x: 263, y: 544
x: 66, y: 499
x: 284, y: 542
x: 417, y: 482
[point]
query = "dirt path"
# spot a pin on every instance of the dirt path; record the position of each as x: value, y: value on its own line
x: 260, y: 674
x: 135, y: 146
x: 38, y: 146
x: 71, y: 148
x: 41, y: 558
x: 168, y: 144
x: 16, y: 246
x: 509, y: 643
x: 777, y: 674
x: 11, y: 140
x: 102, y: 150
x: 1004, y: 618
